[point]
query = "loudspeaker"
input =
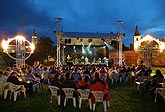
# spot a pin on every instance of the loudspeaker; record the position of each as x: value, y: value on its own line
x: 69, y: 41
x: 66, y: 41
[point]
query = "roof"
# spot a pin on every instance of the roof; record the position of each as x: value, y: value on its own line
x: 137, y: 31
x: 88, y: 35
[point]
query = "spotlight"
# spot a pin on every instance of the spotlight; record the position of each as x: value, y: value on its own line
x: 109, y: 46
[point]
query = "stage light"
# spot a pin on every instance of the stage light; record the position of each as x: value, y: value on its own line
x: 104, y: 46
x: 84, y: 51
x: 109, y: 46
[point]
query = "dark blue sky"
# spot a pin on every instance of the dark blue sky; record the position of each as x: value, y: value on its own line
x: 82, y: 16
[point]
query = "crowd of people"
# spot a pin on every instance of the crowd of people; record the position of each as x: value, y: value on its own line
x: 95, y: 78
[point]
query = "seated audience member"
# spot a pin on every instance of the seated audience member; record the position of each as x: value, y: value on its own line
x: 14, y: 68
x: 153, y: 82
x: 76, y: 75
x: 13, y: 78
x: 148, y: 71
x: 53, y: 70
x: 98, y: 85
x: 45, y: 75
x: 68, y: 83
x: 56, y: 81
x: 103, y: 74
x: 84, y: 84
x: 157, y: 78
x: 9, y: 70
x: 103, y: 70
x: 3, y: 76
x: 93, y: 70
x: 86, y: 71
x: 33, y: 79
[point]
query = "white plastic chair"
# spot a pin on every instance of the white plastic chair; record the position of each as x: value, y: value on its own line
x: 1, y: 87
x: 13, y: 89
x: 160, y: 91
x: 84, y: 95
x: 140, y: 81
x: 54, y: 90
x: 69, y: 95
x: 99, y: 95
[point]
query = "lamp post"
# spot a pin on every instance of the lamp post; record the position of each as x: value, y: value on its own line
x: 18, y: 48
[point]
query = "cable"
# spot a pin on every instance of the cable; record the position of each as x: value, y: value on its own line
x: 50, y: 28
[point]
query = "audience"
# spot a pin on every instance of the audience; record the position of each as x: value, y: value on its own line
x: 88, y: 78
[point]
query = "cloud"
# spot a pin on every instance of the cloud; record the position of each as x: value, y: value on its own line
x: 21, y: 16
x: 83, y: 16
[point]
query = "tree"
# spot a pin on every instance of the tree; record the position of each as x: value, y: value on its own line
x: 44, y: 49
x: 5, y: 60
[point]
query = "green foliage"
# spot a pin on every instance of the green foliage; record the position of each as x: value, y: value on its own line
x: 5, y: 60
x: 44, y: 48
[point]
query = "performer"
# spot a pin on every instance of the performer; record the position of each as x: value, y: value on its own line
x: 86, y: 60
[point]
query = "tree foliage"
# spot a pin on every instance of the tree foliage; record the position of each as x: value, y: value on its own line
x: 44, y: 48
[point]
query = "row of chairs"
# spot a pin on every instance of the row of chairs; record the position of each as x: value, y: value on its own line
x: 121, y: 77
x: 5, y: 87
x: 140, y: 82
x: 8, y: 87
x: 161, y: 92
x: 83, y: 95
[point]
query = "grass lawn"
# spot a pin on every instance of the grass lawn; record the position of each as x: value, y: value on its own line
x: 124, y: 98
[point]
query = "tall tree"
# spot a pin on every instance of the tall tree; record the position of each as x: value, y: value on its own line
x: 44, y: 49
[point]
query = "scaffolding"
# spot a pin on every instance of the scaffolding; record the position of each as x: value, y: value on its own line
x: 58, y: 34
x: 76, y: 38
x: 120, y: 36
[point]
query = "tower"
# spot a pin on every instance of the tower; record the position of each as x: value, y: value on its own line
x: 58, y: 34
x: 137, y: 36
x: 120, y: 36
x: 34, y: 37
